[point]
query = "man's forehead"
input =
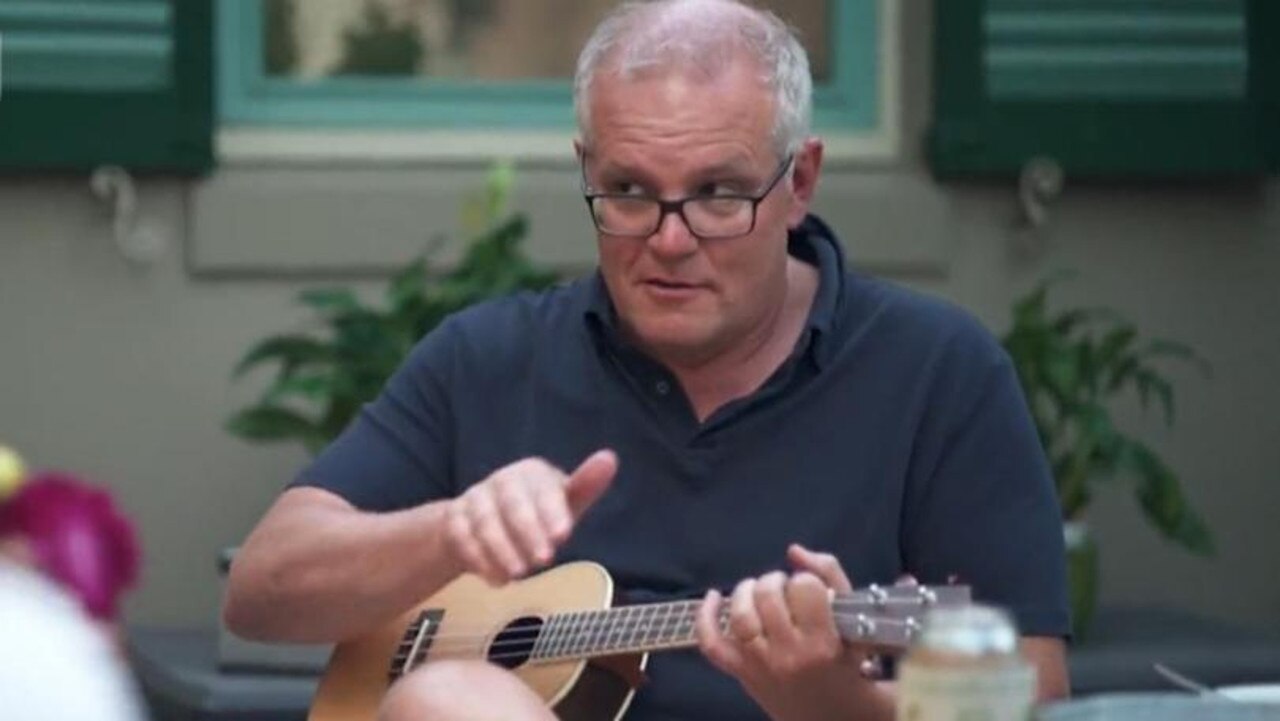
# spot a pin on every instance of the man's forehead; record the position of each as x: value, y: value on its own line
x: 709, y: 162
x: 673, y: 109
x: 730, y: 65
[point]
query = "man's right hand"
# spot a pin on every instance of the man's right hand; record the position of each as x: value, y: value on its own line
x: 511, y: 522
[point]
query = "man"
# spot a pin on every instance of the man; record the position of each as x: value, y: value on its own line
x: 732, y: 410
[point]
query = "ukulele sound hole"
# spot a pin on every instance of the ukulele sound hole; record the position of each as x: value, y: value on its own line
x: 514, y: 643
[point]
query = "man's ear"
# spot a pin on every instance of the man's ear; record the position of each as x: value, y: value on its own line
x: 804, y: 180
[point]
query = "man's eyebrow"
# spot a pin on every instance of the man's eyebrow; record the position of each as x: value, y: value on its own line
x: 613, y: 168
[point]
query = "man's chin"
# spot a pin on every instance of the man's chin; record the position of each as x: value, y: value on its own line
x: 675, y: 342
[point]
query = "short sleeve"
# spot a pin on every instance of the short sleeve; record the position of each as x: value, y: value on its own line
x: 397, y: 452
x: 981, y: 504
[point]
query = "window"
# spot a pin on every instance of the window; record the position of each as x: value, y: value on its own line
x: 1107, y: 88
x: 114, y: 81
x: 496, y: 65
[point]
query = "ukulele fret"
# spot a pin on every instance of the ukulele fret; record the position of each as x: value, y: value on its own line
x: 647, y: 625
x: 548, y: 637
x: 567, y: 640
x: 558, y: 635
x: 573, y: 634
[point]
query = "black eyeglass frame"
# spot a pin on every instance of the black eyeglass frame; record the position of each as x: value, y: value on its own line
x: 667, y: 207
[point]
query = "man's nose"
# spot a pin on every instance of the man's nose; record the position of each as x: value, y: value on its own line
x: 673, y: 236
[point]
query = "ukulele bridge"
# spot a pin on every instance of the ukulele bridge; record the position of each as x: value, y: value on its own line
x: 415, y: 643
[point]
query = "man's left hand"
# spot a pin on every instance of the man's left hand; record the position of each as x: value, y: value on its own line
x: 782, y: 644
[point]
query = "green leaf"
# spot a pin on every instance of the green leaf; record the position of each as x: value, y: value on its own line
x: 498, y: 189
x: 408, y: 285
x: 1029, y: 310
x: 481, y: 210
x: 270, y: 423
x: 1062, y: 378
x: 1070, y: 321
x: 329, y: 300
x: 290, y: 350
x: 1163, y: 348
x: 311, y: 387
x: 368, y: 336
x: 1160, y: 495
x: 1101, y: 437
x: 1122, y: 373
x: 1148, y: 382
x: 1112, y: 347
x: 1073, y: 489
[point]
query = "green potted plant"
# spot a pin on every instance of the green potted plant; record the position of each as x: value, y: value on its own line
x: 341, y: 359
x: 1074, y: 365
x: 323, y: 376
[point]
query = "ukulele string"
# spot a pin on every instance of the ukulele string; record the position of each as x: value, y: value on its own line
x: 606, y: 618
x: 435, y: 654
x: 503, y: 641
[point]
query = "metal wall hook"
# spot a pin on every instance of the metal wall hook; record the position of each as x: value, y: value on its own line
x: 1039, y: 183
x: 138, y: 241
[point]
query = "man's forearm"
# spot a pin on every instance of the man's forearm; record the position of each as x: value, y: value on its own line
x: 319, y: 573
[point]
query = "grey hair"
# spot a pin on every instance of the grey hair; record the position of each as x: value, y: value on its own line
x: 702, y: 36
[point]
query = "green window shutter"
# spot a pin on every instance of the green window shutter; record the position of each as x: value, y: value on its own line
x: 1264, y: 75
x: 90, y: 82
x: 1107, y: 88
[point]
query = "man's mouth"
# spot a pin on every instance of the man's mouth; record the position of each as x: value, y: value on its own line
x: 667, y: 288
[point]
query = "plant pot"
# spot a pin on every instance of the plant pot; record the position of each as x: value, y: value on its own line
x: 1082, y: 575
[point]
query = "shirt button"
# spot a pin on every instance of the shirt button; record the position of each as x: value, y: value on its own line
x: 662, y: 387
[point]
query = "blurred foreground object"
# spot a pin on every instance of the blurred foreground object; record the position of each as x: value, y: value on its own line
x: 55, y: 663
x: 77, y: 537
x: 964, y: 665
x: 1147, y: 706
x: 12, y: 471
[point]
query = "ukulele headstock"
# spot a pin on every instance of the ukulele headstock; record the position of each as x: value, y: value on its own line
x: 891, y: 616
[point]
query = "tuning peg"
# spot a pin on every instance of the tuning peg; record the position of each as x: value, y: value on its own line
x: 879, y: 596
x: 913, y: 627
x: 866, y: 625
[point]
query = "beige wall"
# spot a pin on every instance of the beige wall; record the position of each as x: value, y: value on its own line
x: 121, y: 373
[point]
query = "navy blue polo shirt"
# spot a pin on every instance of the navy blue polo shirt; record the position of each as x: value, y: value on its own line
x: 895, y: 436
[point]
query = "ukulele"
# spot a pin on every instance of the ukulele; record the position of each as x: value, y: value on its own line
x: 557, y: 632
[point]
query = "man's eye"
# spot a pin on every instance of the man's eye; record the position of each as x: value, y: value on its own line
x: 708, y: 190
x: 625, y: 187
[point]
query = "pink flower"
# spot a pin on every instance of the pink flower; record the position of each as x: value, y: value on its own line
x: 77, y: 537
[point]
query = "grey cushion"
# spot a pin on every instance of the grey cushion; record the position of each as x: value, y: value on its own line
x: 178, y: 672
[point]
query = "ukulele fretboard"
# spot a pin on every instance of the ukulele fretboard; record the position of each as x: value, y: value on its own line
x: 627, y: 629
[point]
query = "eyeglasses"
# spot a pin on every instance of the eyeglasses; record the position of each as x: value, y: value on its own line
x: 708, y: 217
